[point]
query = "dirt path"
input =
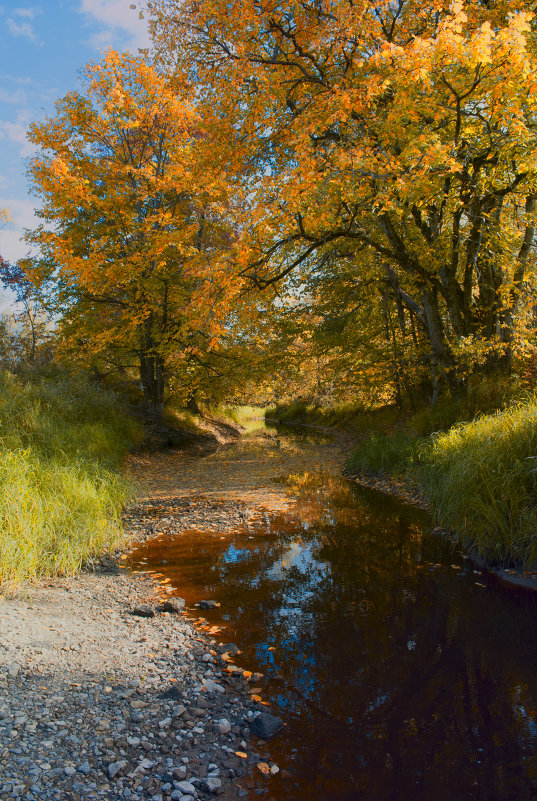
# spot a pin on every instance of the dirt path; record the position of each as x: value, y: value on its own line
x: 98, y: 700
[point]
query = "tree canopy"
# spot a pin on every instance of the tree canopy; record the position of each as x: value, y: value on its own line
x: 397, y: 138
x: 367, y: 172
x: 133, y: 234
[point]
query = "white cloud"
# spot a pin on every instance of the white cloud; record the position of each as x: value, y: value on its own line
x: 7, y: 302
x: 27, y: 13
x: 16, y: 132
x: 16, y: 79
x: 20, y: 28
x: 17, y: 98
x: 122, y: 24
x: 19, y: 23
x: 22, y: 216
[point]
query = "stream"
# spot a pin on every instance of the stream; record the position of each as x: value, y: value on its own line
x: 401, y: 671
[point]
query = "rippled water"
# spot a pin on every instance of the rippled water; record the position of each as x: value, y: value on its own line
x: 401, y: 672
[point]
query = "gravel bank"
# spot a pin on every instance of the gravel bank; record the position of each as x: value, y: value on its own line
x: 98, y: 702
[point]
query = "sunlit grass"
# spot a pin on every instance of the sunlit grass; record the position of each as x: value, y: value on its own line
x: 249, y: 418
x: 479, y: 477
x: 349, y: 416
x: 62, y: 442
x: 481, y: 480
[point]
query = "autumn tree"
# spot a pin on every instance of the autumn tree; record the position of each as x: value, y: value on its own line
x: 396, y: 138
x: 133, y: 235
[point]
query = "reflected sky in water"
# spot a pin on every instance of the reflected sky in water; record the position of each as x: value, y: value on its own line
x: 401, y: 671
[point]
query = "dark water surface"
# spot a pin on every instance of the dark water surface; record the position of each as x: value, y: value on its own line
x: 401, y: 673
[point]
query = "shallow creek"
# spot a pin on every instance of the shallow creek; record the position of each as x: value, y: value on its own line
x: 400, y: 670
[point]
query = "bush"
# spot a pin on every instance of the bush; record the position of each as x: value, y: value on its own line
x: 62, y: 441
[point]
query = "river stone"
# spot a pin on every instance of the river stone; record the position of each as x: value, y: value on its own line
x: 14, y: 670
x: 173, y: 605
x: 266, y: 725
x: 173, y: 692
x: 208, y: 604
x: 229, y: 648
x: 213, y: 785
x: 143, y: 610
x: 223, y: 726
x: 115, y: 767
x: 212, y: 687
x: 185, y: 788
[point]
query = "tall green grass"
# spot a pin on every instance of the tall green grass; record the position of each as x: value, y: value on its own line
x: 384, y: 453
x: 62, y: 441
x: 480, y: 478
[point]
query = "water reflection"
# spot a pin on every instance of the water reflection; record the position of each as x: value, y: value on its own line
x: 400, y: 675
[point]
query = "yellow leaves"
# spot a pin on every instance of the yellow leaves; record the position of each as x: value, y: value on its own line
x: 521, y: 21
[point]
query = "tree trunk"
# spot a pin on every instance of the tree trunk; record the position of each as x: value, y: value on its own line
x: 151, y: 371
x: 152, y: 380
x: 441, y: 356
x: 509, y: 312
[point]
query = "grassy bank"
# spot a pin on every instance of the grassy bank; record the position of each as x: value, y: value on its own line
x: 479, y: 478
x: 62, y: 441
x: 349, y: 417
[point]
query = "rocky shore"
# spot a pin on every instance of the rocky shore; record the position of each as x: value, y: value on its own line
x: 103, y: 694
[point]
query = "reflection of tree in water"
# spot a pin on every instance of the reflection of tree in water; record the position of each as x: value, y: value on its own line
x: 411, y: 683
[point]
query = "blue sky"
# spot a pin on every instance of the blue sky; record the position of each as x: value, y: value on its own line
x: 43, y: 46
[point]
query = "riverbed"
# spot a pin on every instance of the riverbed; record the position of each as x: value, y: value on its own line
x: 401, y: 670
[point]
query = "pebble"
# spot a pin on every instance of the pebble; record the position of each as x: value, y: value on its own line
x: 186, y: 787
x: 143, y: 610
x: 86, y: 708
x: 223, y: 726
x: 212, y: 686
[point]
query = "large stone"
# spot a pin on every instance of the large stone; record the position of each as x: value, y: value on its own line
x: 212, y: 784
x: 212, y: 687
x: 229, y: 648
x: 223, y: 726
x: 143, y: 610
x: 208, y: 604
x: 185, y: 788
x: 173, y: 605
x: 14, y: 670
x: 173, y: 692
x: 266, y: 725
